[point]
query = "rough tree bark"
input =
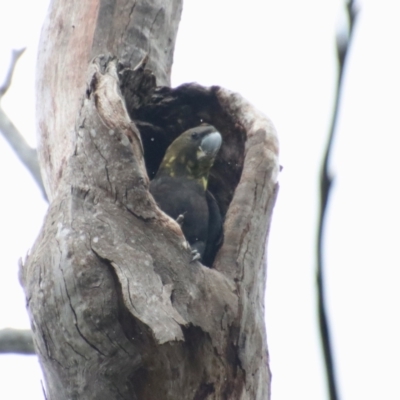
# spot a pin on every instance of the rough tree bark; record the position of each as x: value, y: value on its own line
x: 118, y: 311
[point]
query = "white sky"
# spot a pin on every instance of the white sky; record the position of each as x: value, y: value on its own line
x: 281, y: 56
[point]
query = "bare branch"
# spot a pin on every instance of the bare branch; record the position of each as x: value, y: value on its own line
x: 16, y: 341
x: 342, y: 47
x: 16, y: 54
x: 26, y: 154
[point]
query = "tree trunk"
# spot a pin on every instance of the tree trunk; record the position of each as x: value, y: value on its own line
x: 118, y: 309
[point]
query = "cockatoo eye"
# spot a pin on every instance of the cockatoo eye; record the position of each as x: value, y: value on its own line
x: 195, y: 135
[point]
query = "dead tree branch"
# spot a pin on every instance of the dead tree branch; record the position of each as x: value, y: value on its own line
x: 26, y: 154
x: 326, y: 179
x: 16, y: 54
x: 118, y: 308
x: 18, y: 341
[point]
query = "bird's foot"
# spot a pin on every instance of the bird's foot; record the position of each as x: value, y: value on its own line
x: 195, y: 256
x: 180, y: 219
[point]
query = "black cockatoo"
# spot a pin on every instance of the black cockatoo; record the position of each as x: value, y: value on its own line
x: 180, y: 189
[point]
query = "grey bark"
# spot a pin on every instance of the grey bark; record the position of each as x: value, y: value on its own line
x: 118, y: 311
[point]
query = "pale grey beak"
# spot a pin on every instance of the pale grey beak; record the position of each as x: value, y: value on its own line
x: 211, y: 143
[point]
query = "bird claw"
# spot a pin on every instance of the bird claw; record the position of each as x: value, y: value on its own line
x: 180, y: 219
x: 195, y: 256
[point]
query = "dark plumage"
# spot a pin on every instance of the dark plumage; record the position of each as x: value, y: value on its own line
x: 180, y: 189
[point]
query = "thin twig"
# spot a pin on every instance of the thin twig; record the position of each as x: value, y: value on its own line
x: 325, y: 187
x: 43, y: 390
x: 16, y: 54
x: 26, y: 154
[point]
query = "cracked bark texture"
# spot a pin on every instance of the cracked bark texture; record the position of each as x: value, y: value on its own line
x: 118, y: 311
